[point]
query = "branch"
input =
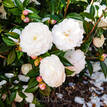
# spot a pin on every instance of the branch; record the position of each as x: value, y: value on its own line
x: 2, y: 57
x: 94, y: 27
x: 68, y: 2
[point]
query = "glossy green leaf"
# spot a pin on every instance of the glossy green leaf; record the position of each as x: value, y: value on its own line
x: 65, y: 61
x: 22, y: 95
x: 90, y: 67
x: 12, y: 96
x: 19, y: 4
x: 31, y: 90
x: 11, y: 57
x: 92, y: 11
x: 75, y: 16
x: 68, y: 72
x: 26, y: 2
x: 8, y: 41
x: 8, y: 3
x: 104, y: 68
x: 12, y: 34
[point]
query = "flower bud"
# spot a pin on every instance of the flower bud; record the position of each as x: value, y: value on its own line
x: 42, y: 86
x: 39, y: 78
x: 53, y: 22
x: 22, y: 17
x: 25, y: 12
x: 26, y: 20
x: 98, y: 42
x: 36, y: 62
x: 103, y: 56
x: 33, y: 57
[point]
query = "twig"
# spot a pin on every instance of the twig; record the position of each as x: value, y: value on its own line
x: 92, y: 58
x: 93, y: 27
x: 68, y: 1
x: 2, y: 57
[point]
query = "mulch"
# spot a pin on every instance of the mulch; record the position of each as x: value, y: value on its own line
x: 80, y: 89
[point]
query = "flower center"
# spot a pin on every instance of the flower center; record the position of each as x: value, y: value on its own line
x: 34, y: 38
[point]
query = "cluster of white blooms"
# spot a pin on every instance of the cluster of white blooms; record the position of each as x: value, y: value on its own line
x: 77, y: 59
x: 52, y: 71
x: 36, y: 39
x: 98, y: 13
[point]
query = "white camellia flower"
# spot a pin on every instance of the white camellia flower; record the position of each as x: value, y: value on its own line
x: 98, y: 13
x: 52, y: 71
x: 68, y: 34
x: 77, y: 59
x: 18, y: 98
x: 25, y: 68
x: 36, y: 39
x: 29, y: 96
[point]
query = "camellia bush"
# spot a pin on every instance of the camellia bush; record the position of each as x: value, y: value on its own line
x: 43, y: 42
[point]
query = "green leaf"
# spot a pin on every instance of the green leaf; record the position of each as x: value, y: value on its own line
x: 87, y: 15
x: 15, y: 11
x: 8, y: 41
x: 34, y: 17
x: 92, y: 11
x: 46, y: 92
x: 8, y: 3
x: 31, y: 90
x: 11, y: 57
x: 75, y: 16
x: 12, y: 34
x: 1, y: 103
x: 19, y: 4
x: 22, y: 95
x: 26, y: 2
x: 12, y: 96
x: 69, y: 72
x: 35, y: 101
x: 19, y: 54
x: 65, y: 61
x: 33, y: 73
x: 34, y: 83
x: 104, y: 68
x: 4, y: 48
x: 90, y: 67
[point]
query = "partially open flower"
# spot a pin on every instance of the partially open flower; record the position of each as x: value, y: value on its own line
x: 36, y: 62
x: 42, y: 86
x: 98, y: 42
x: 33, y: 57
x: 18, y: 98
x: 77, y: 59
